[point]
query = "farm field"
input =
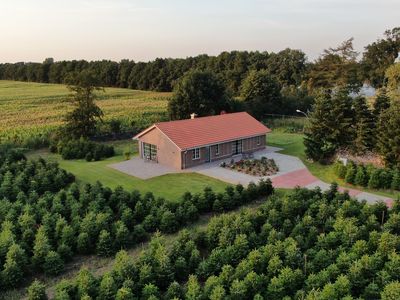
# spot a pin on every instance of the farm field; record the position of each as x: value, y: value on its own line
x: 34, y: 109
x: 170, y: 186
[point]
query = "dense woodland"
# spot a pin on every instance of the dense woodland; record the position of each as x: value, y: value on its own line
x: 306, y: 245
x: 290, y: 67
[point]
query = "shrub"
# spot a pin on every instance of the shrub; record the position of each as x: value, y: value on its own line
x: 361, y: 176
x: 340, y: 169
x: 83, y: 149
x: 395, y: 185
x: 127, y: 154
x: 350, y: 174
x: 375, y: 179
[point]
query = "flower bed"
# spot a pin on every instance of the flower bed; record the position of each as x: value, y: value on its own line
x: 255, y: 167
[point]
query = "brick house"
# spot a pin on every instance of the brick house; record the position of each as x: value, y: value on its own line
x: 186, y: 143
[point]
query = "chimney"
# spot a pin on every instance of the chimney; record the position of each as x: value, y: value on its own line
x: 193, y: 115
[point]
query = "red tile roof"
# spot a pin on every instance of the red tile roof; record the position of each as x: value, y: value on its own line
x: 192, y: 133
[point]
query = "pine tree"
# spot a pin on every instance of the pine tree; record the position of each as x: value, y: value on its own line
x: 350, y: 174
x: 41, y: 247
x: 361, y: 176
x: 381, y: 103
x: 124, y: 294
x: 317, y: 140
x: 86, y: 283
x: 108, y: 288
x: 14, y: 266
x: 37, y: 291
x: 330, y: 125
x: 389, y: 135
x: 396, y: 180
x: 53, y: 264
x: 104, y: 245
x: 375, y: 179
x: 364, y: 126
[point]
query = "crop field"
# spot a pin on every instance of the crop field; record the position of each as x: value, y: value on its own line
x: 30, y: 110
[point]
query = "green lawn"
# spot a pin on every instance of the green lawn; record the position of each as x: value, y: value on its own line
x: 292, y: 144
x: 170, y: 186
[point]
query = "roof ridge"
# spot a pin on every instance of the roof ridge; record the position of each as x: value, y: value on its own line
x: 199, y: 118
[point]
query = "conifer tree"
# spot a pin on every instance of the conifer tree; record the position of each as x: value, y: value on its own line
x: 364, y: 126
x: 37, y: 291
x: 381, y: 103
x: 41, y: 247
x: 14, y: 266
x: 104, y: 245
x: 330, y: 125
x: 389, y: 135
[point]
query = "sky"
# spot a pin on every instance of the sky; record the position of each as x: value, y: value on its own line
x: 141, y: 30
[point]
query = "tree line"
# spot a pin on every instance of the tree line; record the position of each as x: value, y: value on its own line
x: 305, y: 245
x: 340, y: 121
x: 290, y: 67
x: 46, y: 218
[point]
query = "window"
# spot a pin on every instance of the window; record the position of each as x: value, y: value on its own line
x: 149, y: 151
x: 258, y: 141
x: 196, y: 153
x: 216, y: 149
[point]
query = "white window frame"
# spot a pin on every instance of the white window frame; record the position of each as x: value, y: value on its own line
x: 217, y: 149
x: 258, y: 141
x: 196, y: 153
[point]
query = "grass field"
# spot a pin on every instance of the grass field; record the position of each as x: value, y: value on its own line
x: 292, y: 144
x: 33, y: 109
x: 170, y: 186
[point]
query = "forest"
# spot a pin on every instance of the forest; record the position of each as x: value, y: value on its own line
x: 290, y: 67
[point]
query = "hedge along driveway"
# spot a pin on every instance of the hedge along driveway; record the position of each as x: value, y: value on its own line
x: 292, y: 173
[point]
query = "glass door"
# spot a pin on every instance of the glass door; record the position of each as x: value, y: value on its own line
x: 237, y: 147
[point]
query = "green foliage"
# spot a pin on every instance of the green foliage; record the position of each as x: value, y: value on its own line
x: 329, y: 125
x: 336, y: 67
x: 104, y: 245
x: 340, y: 169
x: 260, y: 92
x: 389, y: 135
x: 361, y: 177
x: 199, y: 92
x: 14, y: 266
x: 391, y: 291
x: 350, y: 174
x: 81, y: 121
x: 83, y: 148
x: 53, y: 264
x: 364, y: 128
x: 336, y: 249
x: 379, y: 55
x: 37, y: 291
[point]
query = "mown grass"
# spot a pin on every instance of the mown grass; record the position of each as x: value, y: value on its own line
x: 292, y: 144
x: 170, y: 186
x: 32, y: 109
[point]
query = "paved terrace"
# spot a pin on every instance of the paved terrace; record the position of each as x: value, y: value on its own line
x: 292, y: 173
